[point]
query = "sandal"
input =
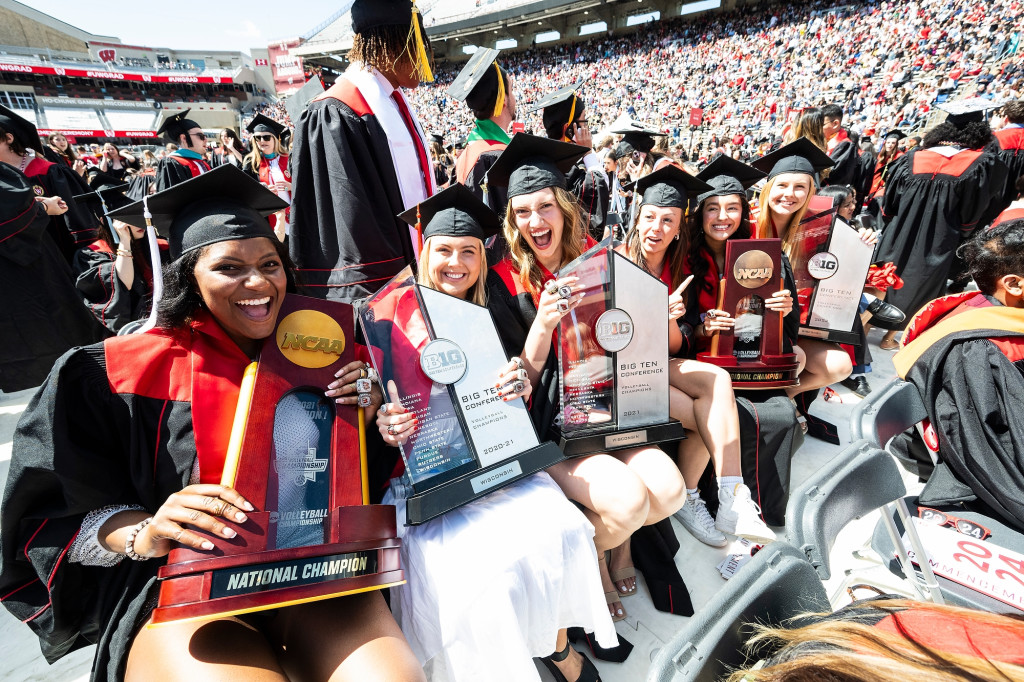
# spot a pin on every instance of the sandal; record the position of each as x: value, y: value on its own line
x: 616, y: 654
x: 588, y: 673
x: 614, y: 598
x: 624, y: 574
x: 889, y: 345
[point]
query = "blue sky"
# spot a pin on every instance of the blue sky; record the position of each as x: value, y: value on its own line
x: 191, y: 24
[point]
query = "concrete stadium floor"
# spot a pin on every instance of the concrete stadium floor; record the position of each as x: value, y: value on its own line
x: 647, y: 628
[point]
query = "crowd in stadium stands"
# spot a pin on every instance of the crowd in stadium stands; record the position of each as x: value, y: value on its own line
x: 135, y: 61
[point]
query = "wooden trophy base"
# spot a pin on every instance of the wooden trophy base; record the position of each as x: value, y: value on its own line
x: 605, y: 439
x: 361, y: 553
x: 772, y: 371
x: 424, y: 506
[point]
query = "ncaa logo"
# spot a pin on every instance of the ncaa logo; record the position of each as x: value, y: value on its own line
x: 614, y: 330
x: 443, y: 361
x: 822, y: 265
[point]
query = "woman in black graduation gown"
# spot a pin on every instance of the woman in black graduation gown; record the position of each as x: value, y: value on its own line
x: 112, y: 467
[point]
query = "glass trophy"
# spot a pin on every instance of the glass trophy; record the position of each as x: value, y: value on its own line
x: 830, y: 264
x: 752, y: 350
x: 442, y: 356
x: 614, y: 387
x: 299, y: 459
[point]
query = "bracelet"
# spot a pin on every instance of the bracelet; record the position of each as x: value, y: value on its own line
x: 129, y: 542
x: 126, y: 254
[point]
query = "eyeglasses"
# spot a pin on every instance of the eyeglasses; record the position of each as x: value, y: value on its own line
x: 964, y: 526
x: 200, y: 136
x: 263, y: 138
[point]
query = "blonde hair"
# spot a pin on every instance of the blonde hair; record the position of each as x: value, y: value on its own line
x: 254, y: 158
x: 477, y: 294
x: 852, y: 651
x: 572, y: 240
x: 765, y: 226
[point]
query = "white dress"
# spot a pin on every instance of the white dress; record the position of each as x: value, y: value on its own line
x: 491, y: 583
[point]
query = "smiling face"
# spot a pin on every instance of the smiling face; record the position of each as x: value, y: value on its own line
x: 789, y: 193
x: 60, y: 142
x: 539, y: 221
x: 453, y: 264
x: 266, y: 142
x: 847, y: 208
x: 243, y: 283
x: 656, y: 227
x: 720, y: 218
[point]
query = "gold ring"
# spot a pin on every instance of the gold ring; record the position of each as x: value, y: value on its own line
x: 363, y: 373
x: 218, y: 508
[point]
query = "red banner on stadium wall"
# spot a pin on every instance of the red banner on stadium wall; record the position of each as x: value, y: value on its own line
x: 696, y: 116
x: 287, y: 70
x: 111, y: 75
x: 98, y: 133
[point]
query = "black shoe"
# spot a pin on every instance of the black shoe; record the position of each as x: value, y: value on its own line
x: 616, y: 654
x: 858, y: 384
x: 885, y: 315
x: 588, y: 673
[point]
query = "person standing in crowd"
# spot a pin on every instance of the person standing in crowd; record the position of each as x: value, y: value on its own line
x: 188, y: 158
x: 360, y: 158
x: 486, y: 88
x: 887, y: 156
x: 839, y: 146
x: 231, y: 150
x: 20, y: 147
x: 564, y: 116
x: 59, y: 150
x: 42, y: 313
x: 442, y: 161
x: 116, y: 163
x: 1011, y: 145
x: 268, y: 164
x: 936, y: 196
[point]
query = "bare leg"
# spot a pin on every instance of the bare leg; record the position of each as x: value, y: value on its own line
x: 692, y: 458
x: 621, y: 557
x: 661, y: 477
x: 827, y: 363
x: 572, y: 666
x: 712, y: 410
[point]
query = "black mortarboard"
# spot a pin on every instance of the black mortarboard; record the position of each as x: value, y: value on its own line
x: 434, y: 137
x: 24, y: 131
x: 217, y: 206
x: 669, y: 186
x: 799, y: 156
x: 454, y: 212
x: 265, y: 124
x: 639, y: 140
x: 177, y: 125
x: 367, y: 14
x: 107, y: 192
x: 478, y: 84
x: 970, y: 110
x: 561, y: 108
x: 301, y: 98
x: 530, y: 163
x: 896, y: 133
x: 727, y: 176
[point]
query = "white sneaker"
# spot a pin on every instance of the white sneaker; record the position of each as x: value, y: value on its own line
x: 695, y: 518
x: 738, y: 515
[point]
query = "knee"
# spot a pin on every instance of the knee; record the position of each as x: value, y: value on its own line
x: 666, y: 495
x: 626, y: 506
x: 839, y: 365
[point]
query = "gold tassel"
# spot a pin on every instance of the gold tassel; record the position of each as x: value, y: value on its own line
x: 419, y: 48
x: 572, y: 117
x: 499, y: 103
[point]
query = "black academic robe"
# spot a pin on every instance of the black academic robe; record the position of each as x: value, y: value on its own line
x: 591, y: 189
x: 174, y: 170
x: 844, y: 153
x: 344, y: 236
x: 932, y: 204
x: 77, y: 227
x: 41, y: 313
x: 1011, y: 153
x: 495, y: 197
x: 138, y: 186
x: 117, y: 423
x: 113, y: 304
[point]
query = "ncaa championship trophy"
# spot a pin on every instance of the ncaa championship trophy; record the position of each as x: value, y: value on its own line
x: 441, y: 355
x: 300, y: 460
x: 613, y: 378
x: 752, y: 350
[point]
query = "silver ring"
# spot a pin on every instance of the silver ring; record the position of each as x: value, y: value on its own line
x: 363, y: 373
x: 383, y: 409
x: 518, y: 387
x: 712, y: 314
x: 521, y: 374
x: 563, y: 305
x: 363, y: 385
x: 391, y: 429
x: 565, y: 291
x: 519, y: 363
x: 551, y: 286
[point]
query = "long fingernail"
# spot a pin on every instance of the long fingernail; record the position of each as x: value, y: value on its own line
x: 240, y: 516
x: 229, y: 533
x: 248, y: 506
x: 206, y: 544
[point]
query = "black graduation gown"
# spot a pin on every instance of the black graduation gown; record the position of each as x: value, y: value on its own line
x: 113, y: 304
x: 344, y: 236
x: 41, y: 313
x: 845, y: 156
x: 77, y: 227
x: 170, y: 173
x: 591, y: 190
x: 932, y: 204
x: 113, y: 425
x: 1011, y: 153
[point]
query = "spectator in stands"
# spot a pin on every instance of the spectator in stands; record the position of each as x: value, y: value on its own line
x: 116, y: 163
x: 839, y: 146
x: 887, y: 156
x: 965, y: 354
x: 59, y: 150
x: 186, y: 161
x: 149, y: 159
x: 360, y: 158
x: 231, y: 150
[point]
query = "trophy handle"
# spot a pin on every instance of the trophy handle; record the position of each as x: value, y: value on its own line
x: 721, y: 302
x: 227, y: 477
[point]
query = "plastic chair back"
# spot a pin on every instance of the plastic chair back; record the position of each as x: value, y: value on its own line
x: 887, y: 412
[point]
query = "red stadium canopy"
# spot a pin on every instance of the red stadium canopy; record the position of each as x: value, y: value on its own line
x: 111, y: 75
x: 98, y: 133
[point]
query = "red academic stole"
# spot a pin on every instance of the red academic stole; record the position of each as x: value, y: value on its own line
x: 193, y: 165
x: 268, y: 182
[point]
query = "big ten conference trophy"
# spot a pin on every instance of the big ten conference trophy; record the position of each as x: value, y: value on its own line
x: 613, y: 357
x: 300, y: 460
x: 752, y: 350
x: 830, y: 262
x: 441, y: 355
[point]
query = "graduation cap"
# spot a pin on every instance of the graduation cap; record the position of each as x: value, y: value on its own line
x: 799, y: 156
x: 530, y: 163
x: 367, y: 14
x: 727, y: 176
x: 480, y: 82
x: 298, y: 102
x: 265, y: 124
x: 453, y: 212
x: 970, y: 110
x: 177, y: 125
x: 561, y: 108
x: 23, y: 130
x: 895, y: 133
x: 108, y: 191
x: 435, y: 137
x: 669, y: 186
x: 221, y: 205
